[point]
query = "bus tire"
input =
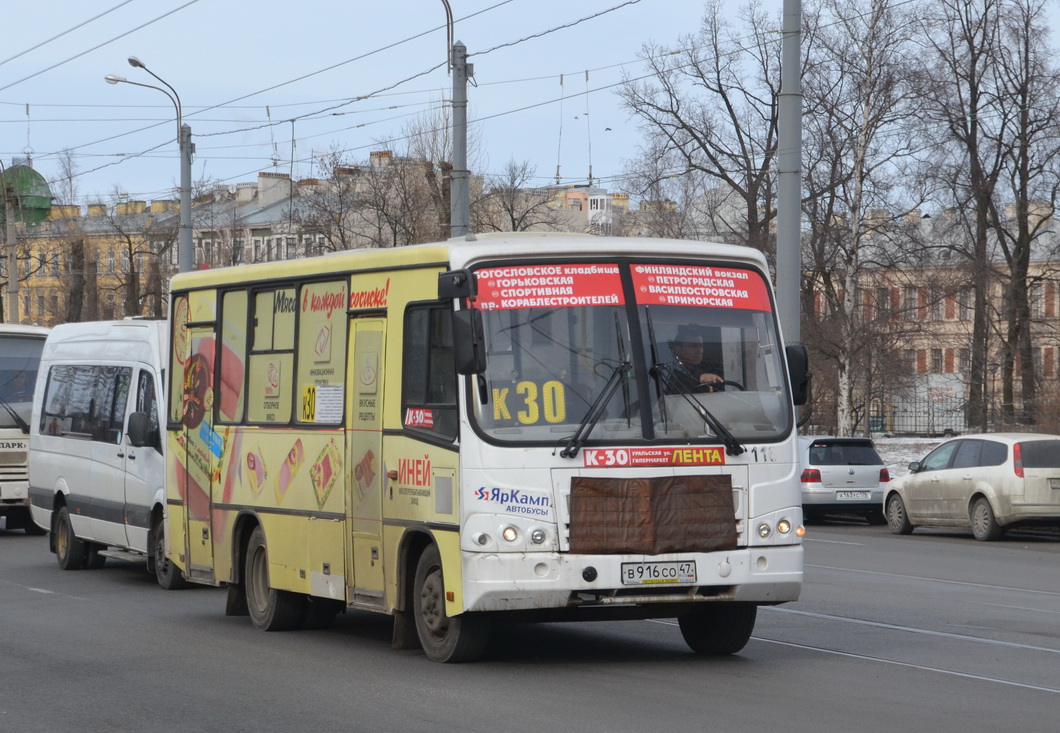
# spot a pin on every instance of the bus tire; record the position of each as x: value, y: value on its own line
x: 718, y: 629
x: 166, y: 573
x: 69, y: 551
x: 270, y: 609
x: 443, y: 638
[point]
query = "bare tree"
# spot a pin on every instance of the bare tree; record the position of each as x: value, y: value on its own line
x: 508, y: 204
x: 712, y: 101
x: 1030, y: 81
x: 860, y: 101
x: 962, y: 84
x: 331, y: 208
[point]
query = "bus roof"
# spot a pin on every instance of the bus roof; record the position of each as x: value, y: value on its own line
x: 459, y: 252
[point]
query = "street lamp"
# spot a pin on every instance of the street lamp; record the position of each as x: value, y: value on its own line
x: 185, y: 253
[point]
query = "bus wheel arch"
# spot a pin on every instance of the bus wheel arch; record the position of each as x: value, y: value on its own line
x: 443, y: 638
x: 236, y: 604
x: 165, y: 571
x: 270, y: 609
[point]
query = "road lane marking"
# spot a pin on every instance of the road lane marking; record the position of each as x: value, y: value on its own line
x: 937, y: 580
x: 910, y: 665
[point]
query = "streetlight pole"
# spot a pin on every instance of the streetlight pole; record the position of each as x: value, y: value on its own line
x: 185, y: 253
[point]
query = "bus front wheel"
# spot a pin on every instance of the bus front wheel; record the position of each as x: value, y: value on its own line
x: 443, y: 638
x: 718, y: 629
x: 270, y: 609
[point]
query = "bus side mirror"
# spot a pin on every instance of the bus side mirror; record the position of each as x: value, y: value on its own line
x: 138, y: 430
x: 798, y: 373
x: 469, y: 343
x: 457, y: 284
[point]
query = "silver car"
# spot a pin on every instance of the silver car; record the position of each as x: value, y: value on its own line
x: 987, y: 482
x: 842, y: 476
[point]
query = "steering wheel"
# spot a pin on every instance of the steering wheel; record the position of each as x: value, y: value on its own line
x: 718, y: 386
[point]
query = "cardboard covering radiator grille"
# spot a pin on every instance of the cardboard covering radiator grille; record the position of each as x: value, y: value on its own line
x: 652, y: 516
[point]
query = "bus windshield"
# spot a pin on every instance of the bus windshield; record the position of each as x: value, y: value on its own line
x: 630, y: 351
x: 19, y: 360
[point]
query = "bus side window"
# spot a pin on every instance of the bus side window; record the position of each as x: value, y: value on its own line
x: 429, y: 382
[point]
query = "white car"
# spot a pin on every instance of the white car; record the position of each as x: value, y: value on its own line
x: 841, y: 476
x: 987, y: 482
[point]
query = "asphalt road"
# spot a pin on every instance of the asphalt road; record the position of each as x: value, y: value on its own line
x: 930, y: 632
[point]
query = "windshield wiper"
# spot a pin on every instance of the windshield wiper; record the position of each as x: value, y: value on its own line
x: 732, y: 445
x: 596, y: 411
x: 22, y: 424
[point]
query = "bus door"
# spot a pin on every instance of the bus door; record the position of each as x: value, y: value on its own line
x: 201, y: 453
x: 364, y: 479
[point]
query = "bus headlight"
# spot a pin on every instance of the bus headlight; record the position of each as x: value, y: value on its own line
x: 764, y: 530
x: 510, y: 534
x: 783, y: 526
x: 537, y: 536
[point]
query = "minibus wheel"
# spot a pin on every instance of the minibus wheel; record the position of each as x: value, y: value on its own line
x: 718, y: 628
x: 69, y: 551
x: 443, y: 638
x: 270, y: 609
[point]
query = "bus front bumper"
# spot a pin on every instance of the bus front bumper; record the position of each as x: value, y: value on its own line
x: 498, y: 582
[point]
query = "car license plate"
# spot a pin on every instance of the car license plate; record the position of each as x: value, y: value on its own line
x: 650, y: 573
x: 852, y: 495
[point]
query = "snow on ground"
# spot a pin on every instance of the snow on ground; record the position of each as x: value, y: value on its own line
x: 898, y: 453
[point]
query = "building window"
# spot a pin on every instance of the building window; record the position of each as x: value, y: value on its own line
x: 292, y: 248
x: 909, y: 303
x: 1036, y: 300
x: 55, y: 306
x: 936, y: 361
x: 910, y: 359
x: 55, y: 265
x: 110, y: 262
x: 965, y: 301
x: 25, y: 306
x: 966, y: 360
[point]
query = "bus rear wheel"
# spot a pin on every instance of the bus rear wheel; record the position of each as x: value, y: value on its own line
x: 69, y: 551
x: 270, y: 609
x: 719, y: 629
x: 443, y: 638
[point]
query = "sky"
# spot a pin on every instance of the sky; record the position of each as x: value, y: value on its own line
x: 348, y: 73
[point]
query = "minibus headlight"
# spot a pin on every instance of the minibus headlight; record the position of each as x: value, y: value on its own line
x: 537, y: 536
x: 510, y: 534
x: 783, y: 526
x: 764, y: 530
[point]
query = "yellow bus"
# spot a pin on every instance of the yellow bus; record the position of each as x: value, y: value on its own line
x: 546, y: 427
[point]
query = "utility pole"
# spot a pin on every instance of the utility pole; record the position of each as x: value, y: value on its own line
x: 12, y: 256
x: 789, y: 177
x: 12, y: 250
x: 459, y: 196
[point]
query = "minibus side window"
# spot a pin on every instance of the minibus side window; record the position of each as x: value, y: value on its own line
x: 147, y: 404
